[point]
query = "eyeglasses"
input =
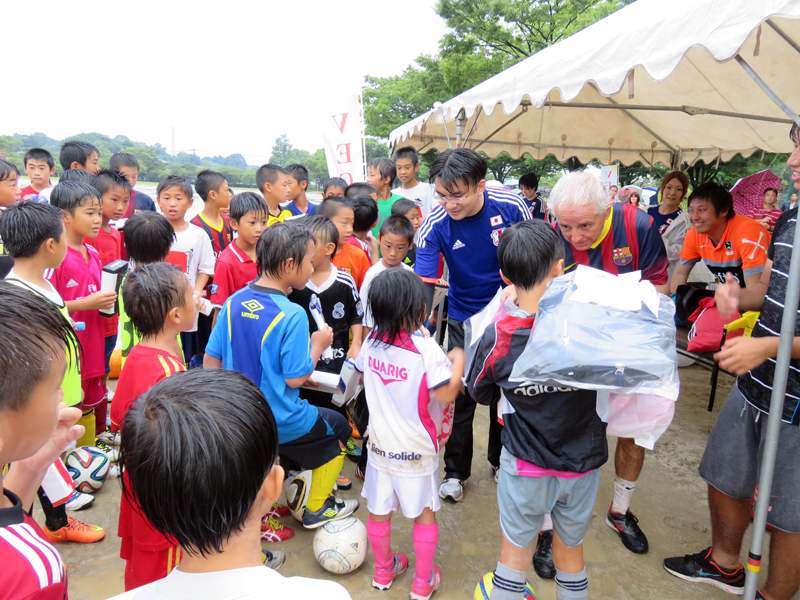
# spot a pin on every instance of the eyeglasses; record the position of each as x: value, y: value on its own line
x: 453, y: 199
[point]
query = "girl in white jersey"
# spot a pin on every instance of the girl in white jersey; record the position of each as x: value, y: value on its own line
x: 408, y: 380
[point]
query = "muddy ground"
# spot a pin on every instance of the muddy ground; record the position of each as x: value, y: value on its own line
x: 670, y: 502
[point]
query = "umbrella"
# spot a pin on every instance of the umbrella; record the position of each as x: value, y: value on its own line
x: 748, y: 193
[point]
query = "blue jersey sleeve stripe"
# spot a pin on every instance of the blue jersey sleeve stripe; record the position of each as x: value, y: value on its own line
x: 272, y: 325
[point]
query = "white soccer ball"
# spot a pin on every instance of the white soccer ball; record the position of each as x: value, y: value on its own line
x: 297, y: 494
x: 88, y: 468
x: 341, y: 546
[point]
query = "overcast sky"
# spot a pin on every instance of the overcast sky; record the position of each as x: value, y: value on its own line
x: 230, y: 76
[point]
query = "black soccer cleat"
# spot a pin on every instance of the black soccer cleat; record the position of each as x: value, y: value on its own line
x: 700, y: 568
x: 627, y: 526
x: 543, y: 556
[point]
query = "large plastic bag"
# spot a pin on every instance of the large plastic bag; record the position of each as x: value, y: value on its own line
x: 477, y: 324
x: 602, y: 333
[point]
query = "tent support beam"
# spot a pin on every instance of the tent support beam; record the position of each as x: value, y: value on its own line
x: 643, y: 126
x: 511, y: 120
x: 768, y: 91
x: 689, y: 110
x: 474, y: 122
x: 784, y: 35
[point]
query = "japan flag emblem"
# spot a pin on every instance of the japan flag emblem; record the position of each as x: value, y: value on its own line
x: 498, y: 220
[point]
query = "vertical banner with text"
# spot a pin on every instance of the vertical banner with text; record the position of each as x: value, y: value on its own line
x: 342, y: 130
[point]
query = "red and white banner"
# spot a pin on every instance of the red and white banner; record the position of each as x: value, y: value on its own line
x: 342, y: 130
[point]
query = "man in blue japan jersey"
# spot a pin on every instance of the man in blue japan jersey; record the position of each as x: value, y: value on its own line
x: 465, y: 227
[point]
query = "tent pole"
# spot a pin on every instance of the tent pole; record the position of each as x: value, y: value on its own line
x: 788, y: 324
x: 767, y: 90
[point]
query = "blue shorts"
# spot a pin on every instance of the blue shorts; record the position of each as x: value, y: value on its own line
x: 321, y: 444
x: 111, y: 341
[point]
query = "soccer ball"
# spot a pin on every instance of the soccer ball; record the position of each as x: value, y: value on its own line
x: 484, y: 588
x: 341, y: 546
x: 297, y: 494
x: 88, y: 468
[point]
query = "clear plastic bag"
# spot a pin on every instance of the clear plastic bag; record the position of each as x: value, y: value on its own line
x: 477, y: 324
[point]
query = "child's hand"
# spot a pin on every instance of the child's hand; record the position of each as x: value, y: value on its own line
x: 353, y: 352
x: 457, y: 355
x: 442, y: 282
x: 323, y: 338
x: 64, y: 434
x: 509, y: 293
x: 100, y: 300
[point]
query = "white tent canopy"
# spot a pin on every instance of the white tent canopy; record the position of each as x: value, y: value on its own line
x: 657, y: 81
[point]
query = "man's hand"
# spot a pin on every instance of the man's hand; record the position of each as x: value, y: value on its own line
x: 727, y: 297
x: 743, y: 354
x: 100, y: 300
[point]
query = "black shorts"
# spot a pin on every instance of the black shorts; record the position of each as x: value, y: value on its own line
x: 320, y: 445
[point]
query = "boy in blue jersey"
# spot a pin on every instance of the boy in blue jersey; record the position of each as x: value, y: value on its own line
x: 274, y: 350
x: 298, y: 203
x: 465, y: 227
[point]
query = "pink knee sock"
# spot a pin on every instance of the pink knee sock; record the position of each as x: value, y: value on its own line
x: 380, y: 539
x: 425, y: 539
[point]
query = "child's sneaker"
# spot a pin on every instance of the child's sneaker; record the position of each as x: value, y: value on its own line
x: 278, y: 511
x: 103, y: 448
x: 383, y: 577
x: 273, y: 559
x: 112, y: 439
x: 360, y: 472
x: 333, y: 510
x: 423, y: 590
x: 272, y: 531
x: 343, y: 482
x: 79, y: 501
x: 355, y: 435
x: 353, y: 452
x: 701, y: 568
x: 75, y: 531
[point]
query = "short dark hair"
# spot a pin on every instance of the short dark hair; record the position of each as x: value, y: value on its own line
x: 7, y: 170
x: 278, y: 244
x: 175, y: 181
x: 458, y: 166
x: 334, y: 182
x: 330, y: 207
x: 205, y: 482
x: 268, y: 173
x: 69, y: 195
x: 39, y: 154
x: 123, y: 159
x: 358, y: 188
x: 78, y: 175
x: 150, y: 291
x: 794, y: 134
x: 245, y: 202
x: 208, y: 181
x: 398, y: 225
x: 148, y: 237
x: 76, y: 151
x: 403, y: 206
x: 32, y: 330
x: 323, y: 230
x: 529, y: 180
x: 396, y: 300
x: 527, y: 252
x: 720, y: 198
x: 365, y: 212
x: 298, y: 171
x: 771, y: 189
x: 108, y: 179
x: 407, y: 152
x: 384, y: 166
x: 27, y: 224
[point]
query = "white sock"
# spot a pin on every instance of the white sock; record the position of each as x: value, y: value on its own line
x: 623, y: 491
x: 547, y: 524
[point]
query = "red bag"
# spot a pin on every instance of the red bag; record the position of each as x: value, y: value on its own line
x: 709, y: 326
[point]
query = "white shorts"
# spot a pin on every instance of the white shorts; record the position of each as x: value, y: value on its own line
x: 386, y: 493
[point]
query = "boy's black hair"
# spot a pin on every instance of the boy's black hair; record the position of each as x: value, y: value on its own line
x: 384, y: 166
x: 298, y: 171
x: 216, y: 441
x: 208, y: 181
x: 32, y: 330
x: 407, y: 152
x: 78, y: 175
x: 323, y: 230
x: 330, y: 207
x: 770, y: 189
x: 123, y: 159
x: 245, y: 202
x: 403, y: 206
x: 278, y: 244
x: 76, y: 151
x: 398, y: 225
x: 150, y: 291
x: 334, y: 181
x: 527, y: 252
x: 529, y: 180
x: 397, y: 302
x: 39, y: 154
x: 109, y: 179
x: 365, y: 212
x: 720, y: 198
x: 26, y: 225
x: 7, y: 170
x: 458, y: 169
x: 268, y: 173
x: 175, y: 181
x: 358, y: 188
x: 148, y: 237
x: 69, y: 195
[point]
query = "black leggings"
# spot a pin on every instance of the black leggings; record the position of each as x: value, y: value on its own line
x: 55, y: 517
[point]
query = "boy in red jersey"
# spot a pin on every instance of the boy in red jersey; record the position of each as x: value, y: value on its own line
x: 347, y: 258
x: 40, y: 167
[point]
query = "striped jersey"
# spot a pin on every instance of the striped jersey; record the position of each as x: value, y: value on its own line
x: 470, y: 248
x: 220, y: 235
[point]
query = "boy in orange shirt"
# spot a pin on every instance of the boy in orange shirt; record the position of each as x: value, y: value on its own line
x: 348, y: 258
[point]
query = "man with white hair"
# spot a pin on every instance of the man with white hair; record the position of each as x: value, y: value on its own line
x: 615, y: 238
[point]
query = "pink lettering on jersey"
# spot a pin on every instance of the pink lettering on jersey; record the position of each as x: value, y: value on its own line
x: 387, y: 372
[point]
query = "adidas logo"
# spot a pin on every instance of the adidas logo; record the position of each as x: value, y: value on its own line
x: 458, y: 244
x: 72, y: 283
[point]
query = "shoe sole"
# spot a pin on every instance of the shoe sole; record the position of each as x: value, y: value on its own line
x: 619, y: 533
x: 81, y: 507
x: 382, y: 586
x: 451, y: 498
x: 735, y: 591
x: 344, y: 513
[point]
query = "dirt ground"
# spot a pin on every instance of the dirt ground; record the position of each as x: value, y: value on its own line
x: 670, y: 502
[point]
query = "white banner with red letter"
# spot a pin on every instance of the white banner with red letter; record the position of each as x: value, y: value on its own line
x: 342, y: 129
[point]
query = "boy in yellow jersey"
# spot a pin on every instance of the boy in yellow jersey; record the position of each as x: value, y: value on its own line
x: 273, y: 182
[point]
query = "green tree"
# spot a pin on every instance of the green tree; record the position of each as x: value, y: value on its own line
x: 186, y: 170
x: 281, y: 151
x: 317, y: 165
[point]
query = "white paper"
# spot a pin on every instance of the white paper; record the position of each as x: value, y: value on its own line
x: 624, y: 292
x: 328, y: 382
x: 108, y: 283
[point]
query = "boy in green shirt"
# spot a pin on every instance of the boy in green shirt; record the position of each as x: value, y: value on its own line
x: 381, y: 173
